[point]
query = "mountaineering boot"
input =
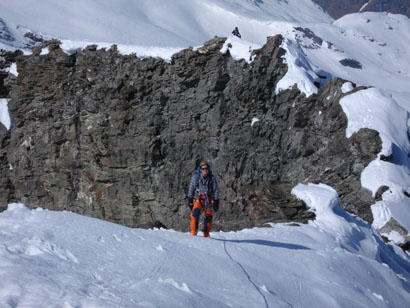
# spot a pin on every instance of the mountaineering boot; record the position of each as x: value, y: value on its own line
x: 194, y: 232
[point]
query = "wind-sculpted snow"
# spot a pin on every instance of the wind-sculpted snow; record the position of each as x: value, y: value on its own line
x: 299, y: 71
x: 65, y: 260
x: 374, y: 109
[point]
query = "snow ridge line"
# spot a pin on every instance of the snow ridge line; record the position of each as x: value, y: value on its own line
x: 246, y: 273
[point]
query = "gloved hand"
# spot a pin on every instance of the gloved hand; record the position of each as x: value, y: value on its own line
x: 215, y: 205
x: 190, y: 203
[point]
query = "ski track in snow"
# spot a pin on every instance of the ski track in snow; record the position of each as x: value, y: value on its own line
x: 161, y: 270
x: 248, y: 276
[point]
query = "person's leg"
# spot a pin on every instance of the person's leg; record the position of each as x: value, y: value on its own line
x: 196, y: 212
x: 208, y: 221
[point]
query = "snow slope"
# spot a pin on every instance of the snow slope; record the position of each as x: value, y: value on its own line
x: 176, y: 23
x: 60, y: 259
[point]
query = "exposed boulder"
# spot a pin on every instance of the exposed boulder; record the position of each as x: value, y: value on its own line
x: 118, y: 137
x: 351, y: 63
x: 394, y: 226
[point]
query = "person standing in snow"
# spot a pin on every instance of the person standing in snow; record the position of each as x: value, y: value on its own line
x: 203, y: 195
x: 236, y: 32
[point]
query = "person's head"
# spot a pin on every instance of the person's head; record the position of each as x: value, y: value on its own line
x: 204, y: 167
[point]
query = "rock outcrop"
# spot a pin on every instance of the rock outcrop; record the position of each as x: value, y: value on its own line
x: 117, y: 137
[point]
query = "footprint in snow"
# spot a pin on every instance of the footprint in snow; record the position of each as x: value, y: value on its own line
x: 116, y: 238
x: 183, y: 286
x: 159, y: 248
x: 36, y: 246
x: 96, y: 276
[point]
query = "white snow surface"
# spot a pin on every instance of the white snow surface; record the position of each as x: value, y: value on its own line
x: 12, y: 69
x: 347, y: 87
x: 239, y: 49
x: 377, y: 110
x: 299, y: 71
x: 254, y: 120
x: 61, y: 259
x: 4, y: 113
x: 176, y: 23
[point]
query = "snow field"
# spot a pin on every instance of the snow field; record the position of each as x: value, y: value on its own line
x: 160, y: 23
x: 67, y: 260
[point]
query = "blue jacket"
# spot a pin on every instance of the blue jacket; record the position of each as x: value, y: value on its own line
x: 200, y: 186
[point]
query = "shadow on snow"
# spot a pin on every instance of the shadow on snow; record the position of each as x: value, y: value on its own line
x: 266, y: 243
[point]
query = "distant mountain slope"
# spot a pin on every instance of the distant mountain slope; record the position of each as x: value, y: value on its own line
x: 177, y: 23
x: 339, y: 8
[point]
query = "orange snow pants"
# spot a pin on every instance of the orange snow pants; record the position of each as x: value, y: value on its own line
x: 196, y: 212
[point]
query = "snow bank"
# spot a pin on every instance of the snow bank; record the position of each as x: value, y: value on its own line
x: 60, y: 259
x: 373, y: 109
x: 239, y: 49
x: 299, y: 71
x: 377, y: 110
x: 332, y: 219
x: 4, y: 113
x: 347, y: 87
x: 323, y: 200
x: 71, y: 47
x: 12, y: 69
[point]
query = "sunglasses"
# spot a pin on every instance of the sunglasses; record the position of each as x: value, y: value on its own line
x: 204, y: 168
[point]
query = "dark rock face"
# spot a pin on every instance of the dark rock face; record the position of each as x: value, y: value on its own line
x: 339, y: 8
x: 351, y: 63
x: 117, y: 137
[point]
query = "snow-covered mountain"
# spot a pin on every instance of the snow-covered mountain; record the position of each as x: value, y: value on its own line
x: 179, y: 23
x: 61, y: 259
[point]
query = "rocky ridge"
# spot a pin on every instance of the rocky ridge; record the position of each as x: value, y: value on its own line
x: 117, y: 137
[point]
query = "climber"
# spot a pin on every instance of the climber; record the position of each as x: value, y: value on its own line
x: 236, y: 32
x: 203, y: 194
